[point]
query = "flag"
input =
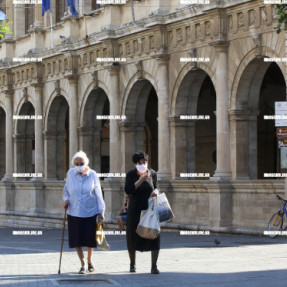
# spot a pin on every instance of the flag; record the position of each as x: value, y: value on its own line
x: 73, y: 4
x: 3, y: 16
x: 45, y: 6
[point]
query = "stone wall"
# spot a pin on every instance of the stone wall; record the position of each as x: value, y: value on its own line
x: 237, y: 206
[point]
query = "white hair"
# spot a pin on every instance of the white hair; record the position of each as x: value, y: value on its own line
x: 82, y: 155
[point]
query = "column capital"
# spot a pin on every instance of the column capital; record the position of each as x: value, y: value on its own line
x: 8, y: 93
x: 239, y: 114
x: 72, y: 78
x: 17, y: 137
x: 220, y: 46
x: 88, y: 131
x: 114, y: 68
x: 37, y: 86
x: 162, y: 59
x: 49, y: 135
x: 177, y: 122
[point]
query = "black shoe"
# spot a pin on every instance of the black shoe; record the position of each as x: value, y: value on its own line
x: 155, y: 271
x: 82, y: 270
x: 91, y: 267
x: 132, y: 269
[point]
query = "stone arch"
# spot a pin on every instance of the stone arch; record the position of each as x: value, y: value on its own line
x: 48, y: 106
x: 250, y: 57
x: 56, y: 137
x: 130, y: 85
x: 246, y: 92
x: 92, y: 140
x: 140, y: 96
x: 87, y: 93
x: 186, y: 134
x: 24, y: 139
x: 182, y: 74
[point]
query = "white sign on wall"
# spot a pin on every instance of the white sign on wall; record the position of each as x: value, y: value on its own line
x: 281, y: 114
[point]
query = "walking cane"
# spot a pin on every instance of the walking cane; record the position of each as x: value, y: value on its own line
x: 59, y: 272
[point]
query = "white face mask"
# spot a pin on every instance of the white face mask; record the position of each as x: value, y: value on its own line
x: 141, y: 167
x: 80, y: 168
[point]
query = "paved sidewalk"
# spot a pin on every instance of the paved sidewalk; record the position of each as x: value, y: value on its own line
x: 184, y: 261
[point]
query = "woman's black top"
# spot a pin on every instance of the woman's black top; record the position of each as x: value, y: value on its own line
x: 138, y: 202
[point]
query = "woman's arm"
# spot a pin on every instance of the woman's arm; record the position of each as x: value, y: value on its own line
x: 99, y: 195
x: 131, y: 185
x: 66, y: 194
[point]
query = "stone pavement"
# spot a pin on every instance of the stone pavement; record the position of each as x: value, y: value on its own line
x: 185, y: 260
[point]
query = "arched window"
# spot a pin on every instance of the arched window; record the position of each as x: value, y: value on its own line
x: 29, y: 16
x: 3, y: 6
x: 61, y: 8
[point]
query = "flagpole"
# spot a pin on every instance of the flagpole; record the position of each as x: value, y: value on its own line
x: 51, y: 23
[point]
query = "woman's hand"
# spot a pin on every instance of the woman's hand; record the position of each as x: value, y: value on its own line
x: 142, y: 178
x: 65, y: 204
x: 101, y: 217
x: 153, y: 194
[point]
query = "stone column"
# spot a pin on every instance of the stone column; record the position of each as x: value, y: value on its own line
x: 222, y: 123
x: 178, y: 147
x: 163, y: 121
x: 39, y: 143
x: 19, y: 154
x: 128, y: 135
x: 252, y: 136
x: 140, y: 138
x: 90, y: 142
x: 239, y: 143
x: 73, y: 116
x: 61, y: 156
x: 50, y: 153
x: 9, y: 139
x: 39, y: 19
x: 115, y: 147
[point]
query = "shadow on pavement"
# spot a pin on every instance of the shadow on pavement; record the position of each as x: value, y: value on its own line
x: 246, y: 279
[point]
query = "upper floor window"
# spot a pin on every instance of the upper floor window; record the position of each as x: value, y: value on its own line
x: 29, y: 16
x: 3, y: 6
x: 61, y: 8
x: 95, y: 5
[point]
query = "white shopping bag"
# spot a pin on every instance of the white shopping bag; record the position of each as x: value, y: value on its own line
x: 148, y: 226
x: 163, y: 208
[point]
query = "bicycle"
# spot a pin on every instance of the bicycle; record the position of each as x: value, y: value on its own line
x: 277, y: 220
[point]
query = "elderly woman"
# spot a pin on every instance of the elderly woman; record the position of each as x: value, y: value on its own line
x: 140, y: 185
x: 83, y: 196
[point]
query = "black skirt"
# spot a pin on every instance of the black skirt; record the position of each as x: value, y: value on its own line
x: 82, y: 231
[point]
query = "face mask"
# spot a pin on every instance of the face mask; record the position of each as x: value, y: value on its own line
x: 80, y: 168
x: 141, y: 167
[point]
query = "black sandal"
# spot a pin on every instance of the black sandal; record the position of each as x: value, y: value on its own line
x: 82, y: 270
x: 91, y: 267
x: 132, y: 269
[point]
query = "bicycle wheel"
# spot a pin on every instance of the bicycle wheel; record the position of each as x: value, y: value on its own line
x: 275, y: 223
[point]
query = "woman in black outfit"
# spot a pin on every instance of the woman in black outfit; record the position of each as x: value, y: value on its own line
x: 140, y: 185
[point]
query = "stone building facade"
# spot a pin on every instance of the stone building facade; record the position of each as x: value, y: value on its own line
x: 149, y: 83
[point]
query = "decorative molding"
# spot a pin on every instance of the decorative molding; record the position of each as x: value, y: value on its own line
x: 57, y: 87
x: 140, y: 72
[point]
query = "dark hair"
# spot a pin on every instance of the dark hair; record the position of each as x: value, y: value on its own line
x: 138, y: 156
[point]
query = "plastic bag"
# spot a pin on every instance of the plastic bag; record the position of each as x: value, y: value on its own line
x: 148, y: 226
x: 100, y: 237
x: 163, y: 208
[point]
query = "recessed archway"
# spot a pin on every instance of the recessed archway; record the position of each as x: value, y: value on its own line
x: 194, y: 138
x: 141, y: 125
x: 25, y: 140
x: 2, y: 142
x: 57, y: 139
x: 95, y: 132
